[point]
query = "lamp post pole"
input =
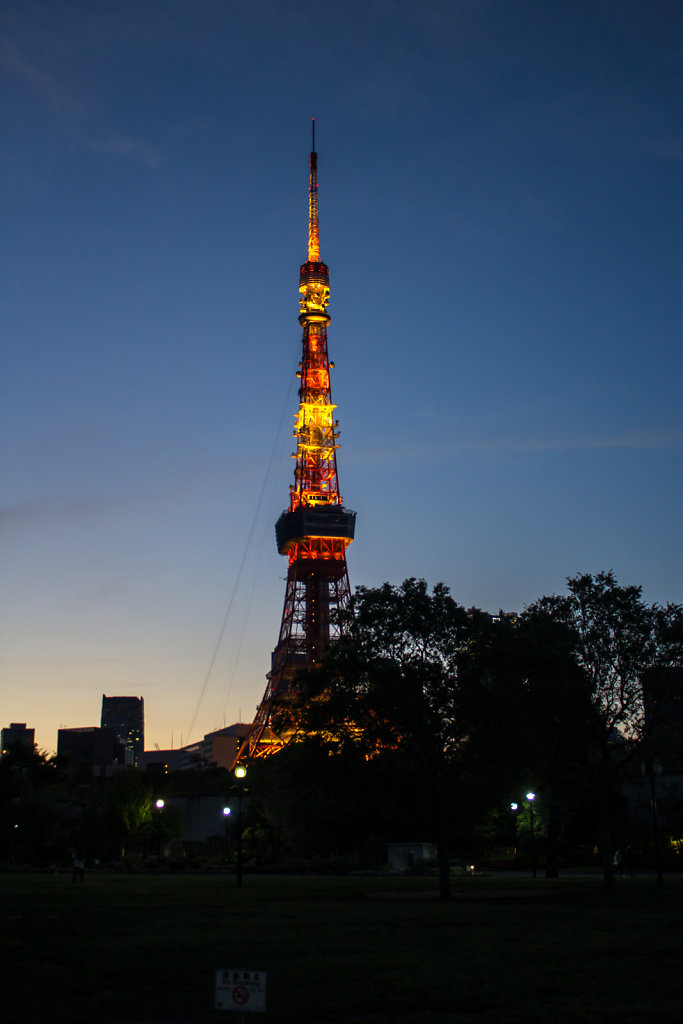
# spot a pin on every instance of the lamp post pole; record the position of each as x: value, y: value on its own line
x: 240, y: 774
x: 514, y: 807
x: 531, y: 797
x: 227, y: 811
x: 159, y: 804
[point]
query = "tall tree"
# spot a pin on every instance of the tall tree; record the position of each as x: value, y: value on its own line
x: 391, y: 684
x: 607, y: 641
x: 126, y: 809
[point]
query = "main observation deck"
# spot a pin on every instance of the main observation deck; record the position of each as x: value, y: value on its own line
x: 331, y: 522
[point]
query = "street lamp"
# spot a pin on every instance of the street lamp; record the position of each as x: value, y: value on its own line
x: 240, y: 775
x: 227, y: 811
x: 159, y: 804
x: 531, y: 797
x: 514, y: 807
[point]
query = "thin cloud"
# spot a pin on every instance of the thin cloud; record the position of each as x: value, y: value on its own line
x: 666, y: 147
x: 640, y: 440
x: 75, y: 113
x: 38, y: 511
x: 127, y: 148
x: 57, y: 510
x: 520, y: 445
x: 53, y: 92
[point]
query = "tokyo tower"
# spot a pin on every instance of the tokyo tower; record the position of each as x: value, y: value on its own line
x: 316, y: 529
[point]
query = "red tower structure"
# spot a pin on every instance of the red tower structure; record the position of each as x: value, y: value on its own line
x: 316, y: 529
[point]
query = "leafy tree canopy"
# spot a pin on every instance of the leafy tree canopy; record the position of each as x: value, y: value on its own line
x: 390, y: 680
x: 612, y: 638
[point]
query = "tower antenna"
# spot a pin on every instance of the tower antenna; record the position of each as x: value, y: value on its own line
x: 313, y: 232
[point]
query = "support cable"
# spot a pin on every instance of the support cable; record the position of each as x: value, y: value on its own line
x: 252, y: 588
x: 247, y: 546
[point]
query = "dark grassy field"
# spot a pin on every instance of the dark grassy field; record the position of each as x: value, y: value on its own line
x: 143, y: 948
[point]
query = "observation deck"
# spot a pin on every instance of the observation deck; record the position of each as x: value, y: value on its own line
x: 314, y: 273
x: 332, y: 522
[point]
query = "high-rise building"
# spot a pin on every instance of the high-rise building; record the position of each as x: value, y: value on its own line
x: 17, y: 733
x: 316, y: 529
x: 98, y: 746
x: 126, y: 716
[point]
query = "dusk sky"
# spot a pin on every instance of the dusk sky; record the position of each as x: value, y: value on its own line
x: 501, y: 210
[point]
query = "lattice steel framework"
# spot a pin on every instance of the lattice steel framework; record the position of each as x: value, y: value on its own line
x: 316, y: 529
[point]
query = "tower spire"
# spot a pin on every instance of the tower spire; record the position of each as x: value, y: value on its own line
x: 313, y: 230
x: 316, y: 529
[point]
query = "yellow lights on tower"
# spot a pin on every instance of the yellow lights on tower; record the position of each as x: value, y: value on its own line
x: 315, y: 298
x: 315, y: 427
x: 313, y: 239
x: 313, y: 236
x: 315, y: 453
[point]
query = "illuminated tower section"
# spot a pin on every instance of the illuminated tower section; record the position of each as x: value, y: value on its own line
x: 315, y: 530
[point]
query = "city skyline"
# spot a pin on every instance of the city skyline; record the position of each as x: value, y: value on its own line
x: 500, y: 211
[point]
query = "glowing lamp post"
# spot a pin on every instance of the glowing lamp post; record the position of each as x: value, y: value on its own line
x: 227, y: 811
x: 240, y: 775
x: 159, y: 804
x: 531, y: 797
x: 514, y: 807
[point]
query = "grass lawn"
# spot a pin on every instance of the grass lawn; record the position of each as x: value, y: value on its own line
x: 143, y: 948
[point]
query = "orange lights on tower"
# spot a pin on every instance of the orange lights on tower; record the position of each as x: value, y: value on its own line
x: 313, y: 233
x: 316, y: 529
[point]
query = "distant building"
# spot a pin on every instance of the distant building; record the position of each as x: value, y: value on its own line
x: 99, y: 747
x: 219, y: 748
x: 17, y: 733
x: 162, y: 761
x: 405, y: 856
x: 505, y: 617
x: 126, y: 716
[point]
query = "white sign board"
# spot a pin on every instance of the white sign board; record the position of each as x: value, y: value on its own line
x: 237, y: 989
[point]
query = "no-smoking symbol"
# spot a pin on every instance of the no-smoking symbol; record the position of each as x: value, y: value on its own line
x: 240, y: 995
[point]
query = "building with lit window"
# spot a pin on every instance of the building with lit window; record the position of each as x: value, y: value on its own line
x: 126, y: 716
x: 218, y: 748
x: 17, y: 733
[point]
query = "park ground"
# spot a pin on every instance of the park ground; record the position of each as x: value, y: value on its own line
x: 143, y: 949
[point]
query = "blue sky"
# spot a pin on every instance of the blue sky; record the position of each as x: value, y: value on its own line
x: 500, y: 206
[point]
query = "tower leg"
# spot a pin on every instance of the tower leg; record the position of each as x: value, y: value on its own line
x: 310, y: 620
